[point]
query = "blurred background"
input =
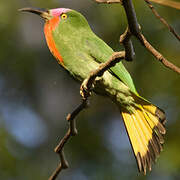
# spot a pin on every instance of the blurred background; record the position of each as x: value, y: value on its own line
x: 36, y: 94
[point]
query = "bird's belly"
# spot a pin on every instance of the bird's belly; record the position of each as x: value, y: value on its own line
x: 107, y: 85
x: 116, y: 90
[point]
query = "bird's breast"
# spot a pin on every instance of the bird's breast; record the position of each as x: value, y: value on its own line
x: 48, y: 28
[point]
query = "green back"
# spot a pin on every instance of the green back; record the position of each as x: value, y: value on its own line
x: 78, y: 45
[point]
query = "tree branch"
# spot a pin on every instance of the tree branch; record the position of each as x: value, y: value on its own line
x: 72, y: 131
x: 88, y: 84
x: 62, y: 165
x: 85, y: 91
x: 131, y: 17
x: 162, y: 19
x: 108, y: 1
x: 135, y: 30
x: 125, y: 39
x: 157, y: 54
x: 169, y: 3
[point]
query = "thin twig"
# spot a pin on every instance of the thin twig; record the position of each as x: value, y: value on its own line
x: 88, y: 83
x: 157, y: 54
x: 169, y: 3
x: 62, y: 165
x: 85, y: 91
x: 56, y: 172
x: 72, y: 131
x: 125, y: 39
x: 108, y: 1
x: 131, y: 17
x: 86, y: 86
x: 162, y: 19
x: 135, y: 30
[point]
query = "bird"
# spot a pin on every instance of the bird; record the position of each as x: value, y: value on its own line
x: 80, y: 51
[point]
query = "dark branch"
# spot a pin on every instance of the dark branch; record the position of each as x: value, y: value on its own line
x: 157, y: 54
x: 88, y: 83
x: 162, y: 19
x: 136, y: 31
x: 72, y: 131
x: 131, y: 17
x: 56, y: 172
x: 125, y: 39
x: 85, y: 91
x: 169, y: 3
x: 62, y: 165
x: 108, y: 1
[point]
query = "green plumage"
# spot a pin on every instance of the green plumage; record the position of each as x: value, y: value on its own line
x: 82, y: 52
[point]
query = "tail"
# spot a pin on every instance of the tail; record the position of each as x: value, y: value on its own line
x: 145, y: 128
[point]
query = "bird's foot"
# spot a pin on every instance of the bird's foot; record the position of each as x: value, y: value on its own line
x: 85, y: 91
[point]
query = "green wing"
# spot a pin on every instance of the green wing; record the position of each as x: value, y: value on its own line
x: 101, y: 52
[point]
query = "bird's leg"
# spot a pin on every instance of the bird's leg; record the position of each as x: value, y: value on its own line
x: 85, y: 92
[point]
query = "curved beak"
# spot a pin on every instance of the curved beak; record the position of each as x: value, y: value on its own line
x: 44, y: 13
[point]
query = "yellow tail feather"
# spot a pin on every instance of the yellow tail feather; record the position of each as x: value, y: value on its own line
x: 145, y: 128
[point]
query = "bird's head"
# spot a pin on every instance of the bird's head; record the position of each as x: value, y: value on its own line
x: 59, y: 16
x: 63, y: 27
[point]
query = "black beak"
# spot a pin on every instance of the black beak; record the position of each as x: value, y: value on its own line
x: 44, y: 13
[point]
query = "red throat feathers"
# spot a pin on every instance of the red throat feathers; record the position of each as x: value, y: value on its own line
x: 48, y: 28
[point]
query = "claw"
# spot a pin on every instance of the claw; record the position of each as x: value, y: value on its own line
x: 84, y: 90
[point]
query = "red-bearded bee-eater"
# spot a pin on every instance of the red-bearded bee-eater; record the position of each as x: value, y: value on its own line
x: 75, y: 47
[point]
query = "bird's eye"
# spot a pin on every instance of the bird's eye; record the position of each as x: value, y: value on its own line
x: 64, y: 16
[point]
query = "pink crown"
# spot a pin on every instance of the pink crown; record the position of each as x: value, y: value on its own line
x: 58, y: 11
